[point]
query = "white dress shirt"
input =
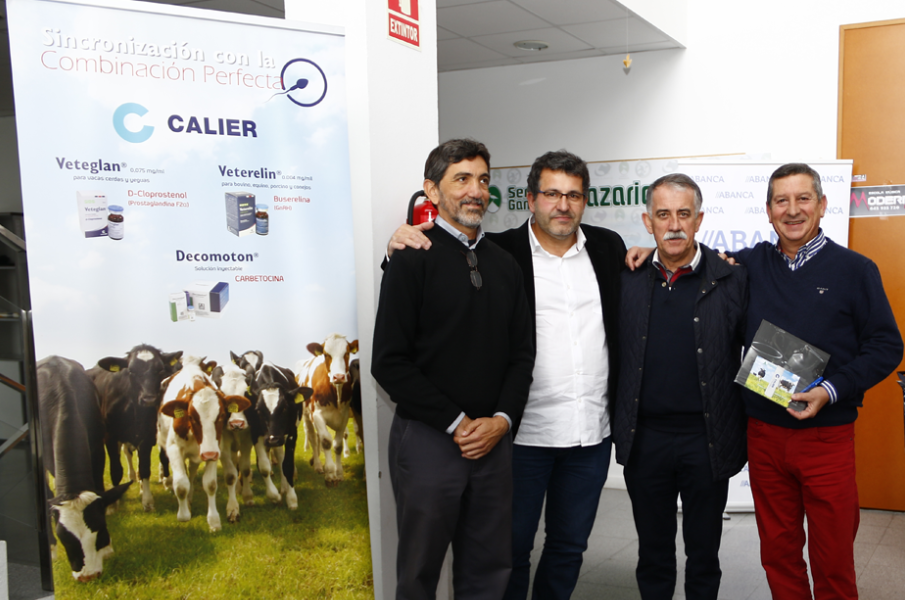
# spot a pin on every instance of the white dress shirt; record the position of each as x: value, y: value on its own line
x: 567, y: 402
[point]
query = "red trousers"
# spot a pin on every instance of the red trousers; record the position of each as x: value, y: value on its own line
x: 798, y: 472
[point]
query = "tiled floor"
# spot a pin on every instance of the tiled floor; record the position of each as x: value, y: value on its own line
x: 609, y: 565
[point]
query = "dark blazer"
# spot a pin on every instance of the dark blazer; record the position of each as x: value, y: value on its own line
x: 607, y: 253
x: 719, y: 331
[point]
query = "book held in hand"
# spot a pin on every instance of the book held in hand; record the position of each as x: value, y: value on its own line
x: 778, y: 364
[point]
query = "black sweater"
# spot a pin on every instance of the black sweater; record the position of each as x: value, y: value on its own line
x: 441, y: 346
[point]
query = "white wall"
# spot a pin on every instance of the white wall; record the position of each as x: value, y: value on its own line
x: 755, y: 77
x: 392, y: 127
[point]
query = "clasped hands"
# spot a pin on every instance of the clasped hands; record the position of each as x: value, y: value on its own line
x: 477, y: 437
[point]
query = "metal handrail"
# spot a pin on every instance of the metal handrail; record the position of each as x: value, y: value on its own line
x: 11, y: 442
x: 11, y: 239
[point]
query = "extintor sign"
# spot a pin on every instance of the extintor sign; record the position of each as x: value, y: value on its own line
x: 402, y: 20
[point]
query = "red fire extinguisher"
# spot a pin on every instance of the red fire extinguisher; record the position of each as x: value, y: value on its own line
x: 422, y: 213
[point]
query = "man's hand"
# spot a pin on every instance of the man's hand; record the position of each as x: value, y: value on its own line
x: 411, y: 236
x: 815, y: 399
x: 478, y: 437
x: 636, y: 256
x: 728, y: 258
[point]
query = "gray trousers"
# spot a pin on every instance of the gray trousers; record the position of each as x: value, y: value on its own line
x: 442, y: 498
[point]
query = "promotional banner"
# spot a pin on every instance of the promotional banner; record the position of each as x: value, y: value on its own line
x: 878, y: 201
x: 734, y: 193
x: 185, y: 180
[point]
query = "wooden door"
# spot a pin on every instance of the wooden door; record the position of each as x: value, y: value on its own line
x: 871, y: 132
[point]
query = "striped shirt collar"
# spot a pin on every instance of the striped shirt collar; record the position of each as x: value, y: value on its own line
x: 448, y: 228
x: 805, y: 253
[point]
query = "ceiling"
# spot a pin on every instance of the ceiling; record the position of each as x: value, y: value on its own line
x: 472, y: 34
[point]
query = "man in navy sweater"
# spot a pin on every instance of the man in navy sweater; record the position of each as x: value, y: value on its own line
x: 453, y: 348
x: 803, y: 463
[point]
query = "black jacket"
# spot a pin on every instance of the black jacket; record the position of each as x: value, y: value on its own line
x: 607, y: 253
x: 719, y: 327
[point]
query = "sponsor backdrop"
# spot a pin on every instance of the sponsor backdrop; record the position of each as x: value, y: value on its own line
x: 734, y: 192
x: 185, y: 181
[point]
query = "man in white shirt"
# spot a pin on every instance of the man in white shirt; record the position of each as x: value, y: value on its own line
x: 563, y: 444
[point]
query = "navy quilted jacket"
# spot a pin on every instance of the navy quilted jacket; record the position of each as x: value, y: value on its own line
x: 719, y: 334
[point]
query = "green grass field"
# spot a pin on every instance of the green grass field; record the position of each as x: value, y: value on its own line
x: 321, y: 550
x: 781, y: 396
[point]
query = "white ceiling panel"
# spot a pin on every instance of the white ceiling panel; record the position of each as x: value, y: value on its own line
x: 604, y: 34
x: 568, y: 12
x: 445, y: 3
x: 461, y: 50
x: 558, y: 40
x: 444, y: 34
x: 485, y: 18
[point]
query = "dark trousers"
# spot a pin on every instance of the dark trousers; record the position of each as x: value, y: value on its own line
x: 571, y: 479
x: 442, y: 498
x: 661, y: 467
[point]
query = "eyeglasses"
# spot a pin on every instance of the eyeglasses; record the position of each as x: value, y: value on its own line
x: 555, y: 195
x: 472, y: 259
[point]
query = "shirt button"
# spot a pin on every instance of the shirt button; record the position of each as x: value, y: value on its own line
x: 703, y: 383
x: 706, y: 415
x: 697, y: 320
x: 635, y: 401
x: 700, y: 351
x: 663, y: 284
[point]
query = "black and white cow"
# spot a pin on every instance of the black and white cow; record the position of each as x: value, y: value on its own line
x: 279, y: 405
x: 129, y: 391
x: 327, y: 373
x: 191, y: 420
x: 73, y: 437
x: 355, y: 406
x: 252, y: 359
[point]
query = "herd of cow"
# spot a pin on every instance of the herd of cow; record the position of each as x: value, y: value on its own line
x: 196, y: 412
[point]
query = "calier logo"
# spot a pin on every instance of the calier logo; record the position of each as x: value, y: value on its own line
x: 119, y: 123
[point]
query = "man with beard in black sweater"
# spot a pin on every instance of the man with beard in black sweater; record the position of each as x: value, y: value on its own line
x: 453, y: 348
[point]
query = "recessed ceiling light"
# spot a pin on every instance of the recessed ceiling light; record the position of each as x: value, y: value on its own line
x: 531, y: 45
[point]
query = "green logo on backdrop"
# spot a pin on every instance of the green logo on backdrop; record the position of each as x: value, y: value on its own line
x: 496, y: 199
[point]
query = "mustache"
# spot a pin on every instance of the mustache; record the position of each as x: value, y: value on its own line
x: 674, y: 235
x: 475, y: 201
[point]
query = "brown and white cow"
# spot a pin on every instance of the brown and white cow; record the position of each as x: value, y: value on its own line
x: 243, y: 432
x: 192, y: 415
x: 327, y: 373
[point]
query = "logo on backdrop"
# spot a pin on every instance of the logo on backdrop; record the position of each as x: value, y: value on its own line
x: 119, y: 123
x: 496, y: 199
x: 307, y: 84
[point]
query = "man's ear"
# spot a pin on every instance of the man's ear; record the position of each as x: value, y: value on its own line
x: 431, y: 191
x: 646, y: 218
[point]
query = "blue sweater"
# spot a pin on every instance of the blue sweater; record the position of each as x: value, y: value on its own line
x: 836, y: 302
